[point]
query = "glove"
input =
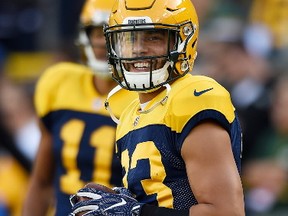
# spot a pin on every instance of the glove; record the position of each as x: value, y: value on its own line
x: 98, y: 202
x: 123, y: 190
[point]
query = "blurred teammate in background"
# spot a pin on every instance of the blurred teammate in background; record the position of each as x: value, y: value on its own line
x: 19, y: 139
x: 180, y: 144
x: 78, y: 135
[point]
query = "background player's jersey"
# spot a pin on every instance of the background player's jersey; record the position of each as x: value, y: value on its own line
x: 82, y: 130
x: 150, y: 144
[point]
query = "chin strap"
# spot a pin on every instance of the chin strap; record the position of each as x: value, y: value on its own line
x: 162, y: 101
x: 106, y: 104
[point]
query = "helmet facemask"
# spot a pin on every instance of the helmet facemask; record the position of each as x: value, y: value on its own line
x: 92, y: 41
x: 144, y: 56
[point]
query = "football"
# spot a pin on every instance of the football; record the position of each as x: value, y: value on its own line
x: 99, y: 187
x: 93, y: 185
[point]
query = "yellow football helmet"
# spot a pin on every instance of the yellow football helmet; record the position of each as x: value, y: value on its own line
x: 95, y: 13
x: 151, y: 42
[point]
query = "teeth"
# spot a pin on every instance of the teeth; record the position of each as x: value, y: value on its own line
x: 142, y: 65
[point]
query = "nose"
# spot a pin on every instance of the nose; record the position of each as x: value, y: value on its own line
x: 139, y: 48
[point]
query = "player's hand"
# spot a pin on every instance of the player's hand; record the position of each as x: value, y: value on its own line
x: 123, y: 190
x: 90, y: 201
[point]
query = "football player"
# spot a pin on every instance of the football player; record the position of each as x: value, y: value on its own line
x: 78, y: 135
x: 180, y: 143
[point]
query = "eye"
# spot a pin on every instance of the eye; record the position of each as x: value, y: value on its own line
x: 154, y: 37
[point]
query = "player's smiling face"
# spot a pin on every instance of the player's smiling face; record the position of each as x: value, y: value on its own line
x: 141, y: 45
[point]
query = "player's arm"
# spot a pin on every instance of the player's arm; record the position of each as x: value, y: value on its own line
x: 212, y: 172
x: 40, y: 189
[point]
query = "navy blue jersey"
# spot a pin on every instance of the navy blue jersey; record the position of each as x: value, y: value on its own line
x: 149, y: 144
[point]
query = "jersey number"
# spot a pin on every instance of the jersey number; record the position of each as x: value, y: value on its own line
x: 148, y: 151
x: 101, y: 139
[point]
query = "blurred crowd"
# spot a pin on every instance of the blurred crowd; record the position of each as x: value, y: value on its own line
x: 243, y: 45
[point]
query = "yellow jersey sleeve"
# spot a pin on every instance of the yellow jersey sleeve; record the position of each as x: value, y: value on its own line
x: 51, y: 83
x: 197, y: 97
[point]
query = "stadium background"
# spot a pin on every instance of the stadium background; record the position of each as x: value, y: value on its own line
x: 243, y: 44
